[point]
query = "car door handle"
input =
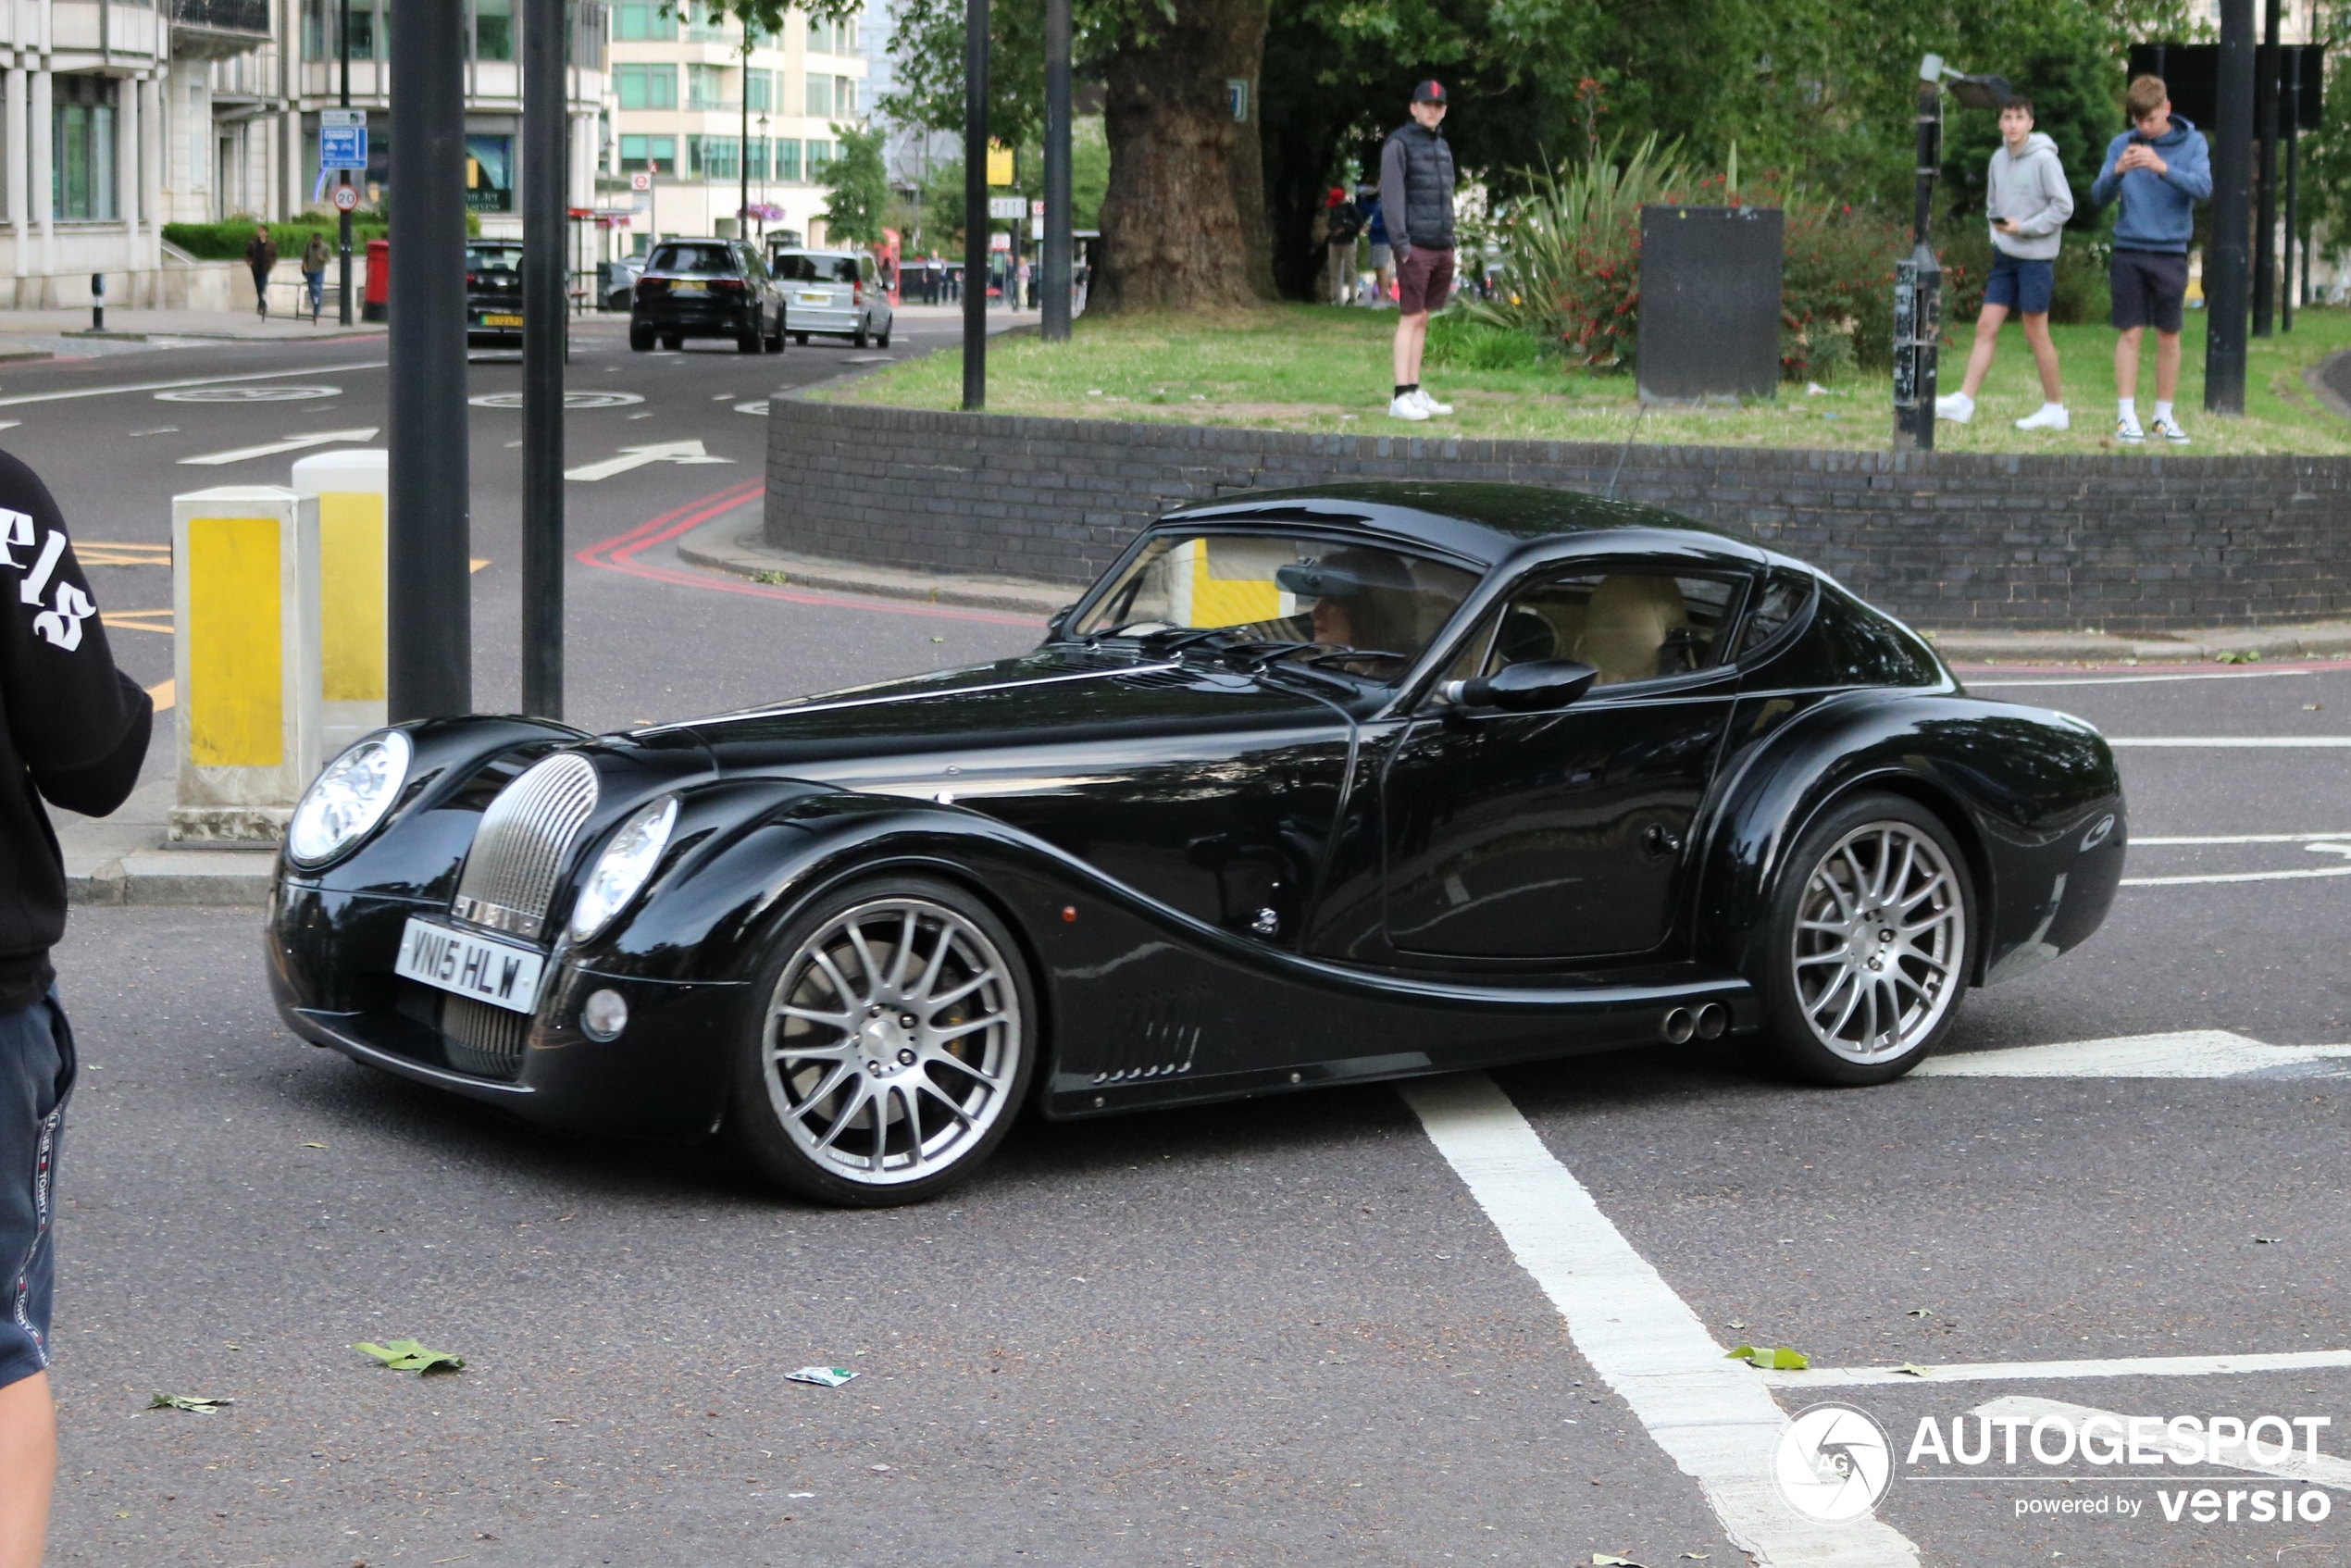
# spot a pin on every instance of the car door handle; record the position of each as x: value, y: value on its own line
x: 1658, y: 839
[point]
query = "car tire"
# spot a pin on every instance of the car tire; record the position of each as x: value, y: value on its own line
x: 641, y: 338
x: 1874, y: 914
x: 776, y: 342
x: 882, y: 341
x: 751, y: 342
x: 842, y: 1100
x: 857, y: 338
x: 800, y: 338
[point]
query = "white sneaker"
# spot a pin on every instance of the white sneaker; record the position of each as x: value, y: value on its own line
x: 1431, y: 403
x: 2128, y: 430
x: 2170, y: 430
x: 2048, y: 417
x: 1407, y: 407
x: 1958, y: 408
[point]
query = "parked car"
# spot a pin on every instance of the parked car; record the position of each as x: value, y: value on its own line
x: 1310, y: 788
x: 617, y: 281
x: 493, y: 291
x: 707, y: 289
x: 832, y: 294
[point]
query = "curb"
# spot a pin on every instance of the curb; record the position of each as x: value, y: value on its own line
x: 722, y: 546
x: 124, y: 859
x: 2315, y: 640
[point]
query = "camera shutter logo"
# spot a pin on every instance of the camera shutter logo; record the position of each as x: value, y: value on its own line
x: 1833, y: 1463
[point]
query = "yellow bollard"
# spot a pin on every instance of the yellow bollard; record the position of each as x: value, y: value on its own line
x: 245, y: 571
x: 351, y: 486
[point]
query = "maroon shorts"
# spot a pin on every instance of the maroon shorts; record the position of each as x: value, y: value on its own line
x: 1424, y: 281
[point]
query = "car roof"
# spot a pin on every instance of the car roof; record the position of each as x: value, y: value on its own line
x: 1484, y: 521
x: 803, y: 250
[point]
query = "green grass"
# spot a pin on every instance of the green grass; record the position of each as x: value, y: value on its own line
x: 1313, y: 368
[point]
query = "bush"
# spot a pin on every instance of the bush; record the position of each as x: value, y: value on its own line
x: 1458, y: 343
x: 1837, y: 289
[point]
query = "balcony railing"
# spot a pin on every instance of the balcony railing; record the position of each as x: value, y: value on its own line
x: 223, y: 15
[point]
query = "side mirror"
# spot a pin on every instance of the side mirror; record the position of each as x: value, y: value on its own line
x: 1057, y: 623
x: 1528, y: 686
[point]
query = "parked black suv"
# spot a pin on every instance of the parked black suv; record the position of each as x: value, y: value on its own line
x: 707, y: 289
x: 493, y: 291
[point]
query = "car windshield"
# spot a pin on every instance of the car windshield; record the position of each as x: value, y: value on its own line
x: 493, y: 258
x: 1367, y: 609
x: 691, y: 258
x: 798, y: 267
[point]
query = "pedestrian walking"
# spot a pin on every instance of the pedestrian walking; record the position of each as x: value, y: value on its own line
x: 314, y: 273
x: 1342, y: 226
x: 1416, y: 197
x: 1383, y: 259
x: 2160, y: 169
x: 2026, y: 201
x: 73, y: 731
x: 261, y: 256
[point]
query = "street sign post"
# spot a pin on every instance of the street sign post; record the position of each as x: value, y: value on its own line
x: 346, y: 198
x: 343, y: 138
x: 1006, y: 206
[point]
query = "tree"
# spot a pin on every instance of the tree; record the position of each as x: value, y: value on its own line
x: 857, y: 187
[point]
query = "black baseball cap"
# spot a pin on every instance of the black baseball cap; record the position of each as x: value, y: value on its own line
x: 1429, y: 92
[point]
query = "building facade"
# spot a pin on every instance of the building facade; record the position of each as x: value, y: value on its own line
x: 699, y: 110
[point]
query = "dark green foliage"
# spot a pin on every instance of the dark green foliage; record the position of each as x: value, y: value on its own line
x: 225, y: 241
x: 1457, y: 342
x: 857, y: 188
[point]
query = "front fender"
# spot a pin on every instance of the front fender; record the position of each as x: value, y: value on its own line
x: 2023, y: 790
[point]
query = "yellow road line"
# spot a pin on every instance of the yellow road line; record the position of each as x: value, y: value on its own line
x: 165, y: 693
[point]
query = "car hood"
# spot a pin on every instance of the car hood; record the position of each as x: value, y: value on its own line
x: 1064, y: 700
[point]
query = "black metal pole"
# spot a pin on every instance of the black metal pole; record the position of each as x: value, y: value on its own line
x: 974, y: 203
x: 1057, y: 224
x: 429, y: 606
x: 2265, y: 221
x: 1917, y: 288
x: 342, y: 50
x: 2226, y: 284
x: 2293, y: 187
x: 546, y: 325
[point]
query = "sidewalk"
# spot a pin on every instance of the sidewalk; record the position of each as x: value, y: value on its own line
x: 136, y: 325
x: 122, y: 859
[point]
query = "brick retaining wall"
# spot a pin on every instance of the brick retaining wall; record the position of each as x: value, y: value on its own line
x: 2129, y: 543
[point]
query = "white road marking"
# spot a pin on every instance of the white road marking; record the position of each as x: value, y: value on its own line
x: 287, y: 444
x: 2138, y: 842
x: 2231, y: 742
x: 2323, y: 1471
x: 2190, y: 1054
x: 249, y: 394
x: 638, y: 457
x: 1711, y: 1415
x: 2145, y: 680
x: 2235, y: 877
x: 195, y: 381
x: 571, y: 399
x: 757, y: 406
x: 2034, y: 1371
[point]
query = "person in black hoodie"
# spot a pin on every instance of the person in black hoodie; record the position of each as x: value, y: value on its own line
x: 73, y: 731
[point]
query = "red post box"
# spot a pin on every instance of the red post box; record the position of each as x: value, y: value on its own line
x: 376, y: 303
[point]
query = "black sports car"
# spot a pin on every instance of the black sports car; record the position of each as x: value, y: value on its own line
x: 1310, y: 788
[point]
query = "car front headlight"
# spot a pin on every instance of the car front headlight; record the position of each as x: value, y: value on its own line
x: 621, y: 870
x: 346, y: 801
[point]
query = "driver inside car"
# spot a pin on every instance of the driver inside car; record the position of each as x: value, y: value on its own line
x: 1361, y: 599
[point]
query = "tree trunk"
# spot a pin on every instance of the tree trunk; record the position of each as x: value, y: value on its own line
x: 1184, y: 220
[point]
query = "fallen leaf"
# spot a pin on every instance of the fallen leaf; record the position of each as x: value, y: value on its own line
x: 1734, y: 1324
x: 1912, y: 1369
x: 1696, y: 1556
x: 406, y: 1355
x: 313, y: 1146
x: 1919, y: 1312
x: 1609, y: 1559
x: 1781, y: 1360
x: 200, y: 1403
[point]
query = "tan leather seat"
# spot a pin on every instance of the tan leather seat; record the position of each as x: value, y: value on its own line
x: 1627, y: 625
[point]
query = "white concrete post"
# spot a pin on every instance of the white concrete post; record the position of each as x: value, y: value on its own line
x: 128, y: 181
x: 351, y: 484
x: 19, y: 162
x: 245, y: 581
x: 44, y: 158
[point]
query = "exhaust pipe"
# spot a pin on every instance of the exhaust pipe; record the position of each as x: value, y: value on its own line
x: 1679, y: 1026
x: 1712, y: 1020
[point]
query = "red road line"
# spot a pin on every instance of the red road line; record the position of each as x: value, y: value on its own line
x: 2161, y: 666
x: 619, y: 553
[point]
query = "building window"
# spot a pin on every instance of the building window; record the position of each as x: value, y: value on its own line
x: 489, y: 174
x: 655, y: 154
x: 711, y: 157
x: 759, y: 87
x: 820, y: 96
x: 787, y: 159
x: 642, y: 21
x: 493, y: 30
x: 646, y: 87
x: 82, y: 174
x: 705, y: 27
x: 319, y: 18
x: 845, y: 96
x: 756, y: 151
x: 706, y: 87
x: 819, y: 155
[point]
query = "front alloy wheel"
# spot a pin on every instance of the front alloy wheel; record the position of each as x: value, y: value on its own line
x: 894, y: 1047
x: 1869, y: 944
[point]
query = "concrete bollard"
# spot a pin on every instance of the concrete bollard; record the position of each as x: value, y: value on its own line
x: 351, y: 485
x: 246, y: 600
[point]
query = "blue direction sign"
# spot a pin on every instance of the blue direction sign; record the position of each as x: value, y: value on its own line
x: 343, y: 138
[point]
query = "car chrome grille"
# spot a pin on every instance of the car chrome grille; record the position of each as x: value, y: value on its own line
x: 484, y: 1040
x: 519, y: 850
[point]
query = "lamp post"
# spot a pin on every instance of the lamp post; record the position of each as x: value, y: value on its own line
x: 1918, y: 278
x: 2228, y: 262
x: 766, y: 172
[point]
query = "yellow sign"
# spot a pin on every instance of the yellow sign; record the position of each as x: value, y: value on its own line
x: 236, y: 697
x: 1000, y: 164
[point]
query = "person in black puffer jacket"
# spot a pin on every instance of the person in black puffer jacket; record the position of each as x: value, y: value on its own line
x: 1416, y: 196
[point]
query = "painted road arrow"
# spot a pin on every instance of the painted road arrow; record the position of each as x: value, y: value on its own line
x: 638, y: 457
x: 289, y: 443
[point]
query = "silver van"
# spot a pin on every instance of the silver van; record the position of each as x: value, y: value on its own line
x: 831, y: 294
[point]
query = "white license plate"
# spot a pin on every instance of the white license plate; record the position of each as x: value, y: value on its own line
x: 688, y: 289
x: 498, y: 972
x: 815, y: 299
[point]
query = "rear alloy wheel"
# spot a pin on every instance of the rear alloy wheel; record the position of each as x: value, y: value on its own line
x: 1868, y: 945
x: 893, y: 1050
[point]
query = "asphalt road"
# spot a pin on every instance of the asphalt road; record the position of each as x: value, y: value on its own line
x: 1275, y: 1333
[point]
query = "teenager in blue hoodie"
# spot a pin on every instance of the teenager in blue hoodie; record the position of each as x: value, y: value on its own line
x: 2160, y: 169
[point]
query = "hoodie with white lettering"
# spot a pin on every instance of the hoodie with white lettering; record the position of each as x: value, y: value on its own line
x: 2029, y: 188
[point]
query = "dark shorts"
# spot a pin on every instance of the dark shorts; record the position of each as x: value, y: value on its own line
x: 2150, y: 289
x: 2024, y: 286
x: 1424, y: 281
x: 36, y: 1078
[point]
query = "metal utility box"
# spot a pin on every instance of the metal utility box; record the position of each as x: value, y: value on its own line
x: 1709, y: 303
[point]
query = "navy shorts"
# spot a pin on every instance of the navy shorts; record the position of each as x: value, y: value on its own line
x: 36, y: 1079
x: 2025, y: 287
x: 2150, y: 289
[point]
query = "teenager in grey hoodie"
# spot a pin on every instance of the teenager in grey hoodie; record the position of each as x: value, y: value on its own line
x: 2027, y: 200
